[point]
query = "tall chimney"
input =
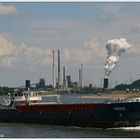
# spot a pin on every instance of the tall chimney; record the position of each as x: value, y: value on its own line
x: 81, y: 75
x: 58, y: 69
x: 79, y: 78
x: 53, y: 65
x: 105, y: 83
x: 56, y: 82
x: 64, y: 78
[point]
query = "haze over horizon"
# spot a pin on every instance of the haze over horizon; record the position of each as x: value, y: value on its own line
x: 29, y: 31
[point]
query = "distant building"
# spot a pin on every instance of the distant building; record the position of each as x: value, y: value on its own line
x: 27, y: 84
x: 68, y: 77
x: 74, y: 84
x: 42, y: 83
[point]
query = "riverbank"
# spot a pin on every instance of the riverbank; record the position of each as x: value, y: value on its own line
x: 112, y: 95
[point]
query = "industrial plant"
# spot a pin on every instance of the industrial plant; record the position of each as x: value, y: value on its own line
x: 62, y: 81
x: 60, y: 84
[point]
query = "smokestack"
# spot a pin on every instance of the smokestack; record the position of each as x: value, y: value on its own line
x: 79, y: 78
x: 53, y: 65
x: 58, y: 69
x: 81, y: 75
x: 64, y: 78
x: 56, y: 82
x: 105, y: 83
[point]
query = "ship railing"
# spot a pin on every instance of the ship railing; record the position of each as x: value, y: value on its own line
x: 6, y: 102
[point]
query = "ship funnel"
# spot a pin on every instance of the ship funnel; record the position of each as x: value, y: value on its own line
x: 105, y: 83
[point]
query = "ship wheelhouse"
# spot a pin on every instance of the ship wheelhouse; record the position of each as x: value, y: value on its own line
x: 32, y: 97
x: 19, y: 96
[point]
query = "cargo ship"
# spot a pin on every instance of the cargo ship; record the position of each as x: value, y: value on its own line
x: 28, y: 107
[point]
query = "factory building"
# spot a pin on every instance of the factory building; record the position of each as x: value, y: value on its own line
x: 68, y: 77
x: 27, y: 85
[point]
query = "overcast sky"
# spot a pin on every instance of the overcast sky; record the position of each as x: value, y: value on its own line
x: 29, y: 32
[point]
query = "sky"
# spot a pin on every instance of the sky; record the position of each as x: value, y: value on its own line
x: 29, y: 31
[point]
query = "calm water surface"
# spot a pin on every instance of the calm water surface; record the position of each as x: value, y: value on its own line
x: 21, y: 130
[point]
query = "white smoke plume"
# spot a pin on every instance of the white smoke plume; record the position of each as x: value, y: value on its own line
x: 115, y: 48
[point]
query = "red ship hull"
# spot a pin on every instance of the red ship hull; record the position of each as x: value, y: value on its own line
x: 99, y: 115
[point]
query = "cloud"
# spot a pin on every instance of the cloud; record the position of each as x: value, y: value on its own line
x: 6, y: 47
x: 92, y: 52
x: 33, y: 56
x: 15, y: 56
x: 8, y: 9
x: 134, y: 51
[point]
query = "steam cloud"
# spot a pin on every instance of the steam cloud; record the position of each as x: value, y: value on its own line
x: 115, y: 48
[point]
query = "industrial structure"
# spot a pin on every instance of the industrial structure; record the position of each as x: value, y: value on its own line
x: 64, y: 79
x: 105, y: 83
x: 53, y: 65
x: 67, y: 83
x: 58, y: 69
x: 81, y: 76
x: 27, y: 84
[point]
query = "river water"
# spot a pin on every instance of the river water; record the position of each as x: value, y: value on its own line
x: 21, y: 130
